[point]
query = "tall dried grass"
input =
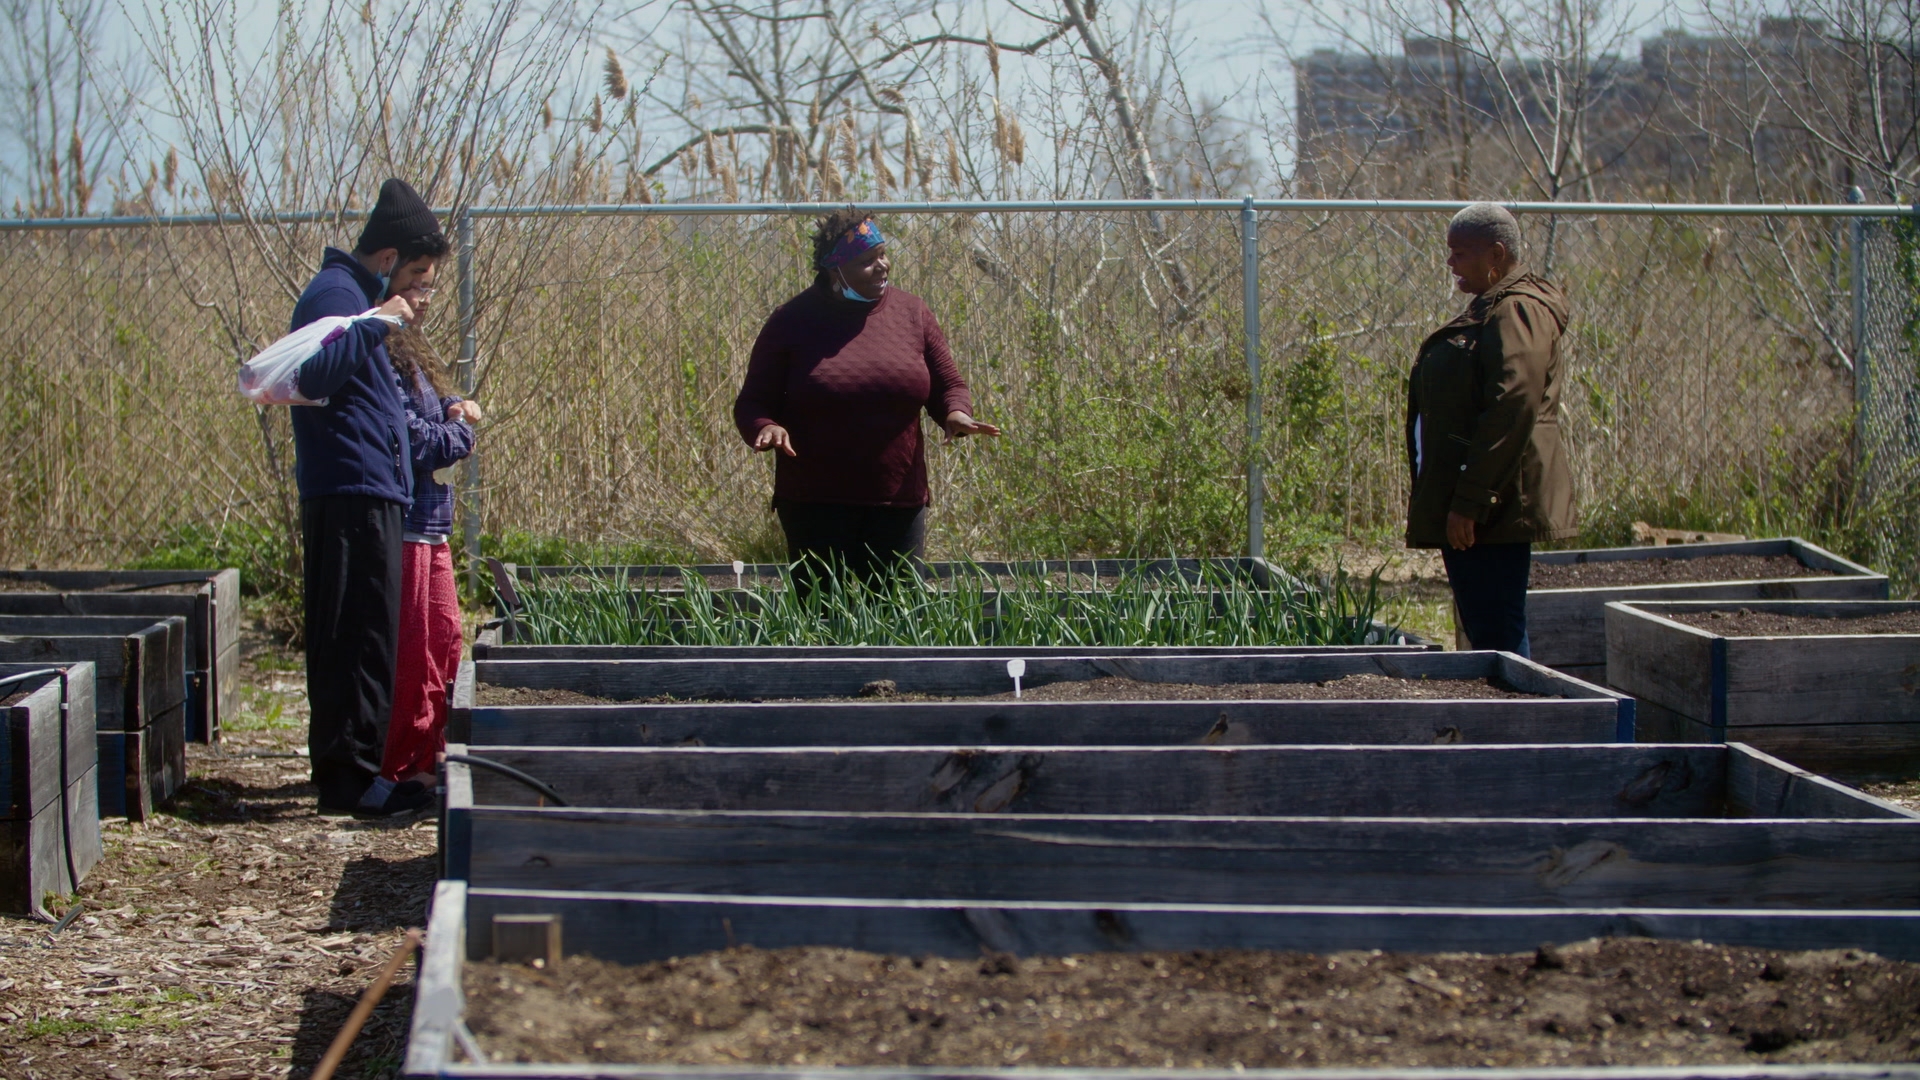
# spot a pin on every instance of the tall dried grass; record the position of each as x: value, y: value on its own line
x: 1698, y: 388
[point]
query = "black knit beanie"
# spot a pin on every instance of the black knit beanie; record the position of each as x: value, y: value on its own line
x: 400, y: 215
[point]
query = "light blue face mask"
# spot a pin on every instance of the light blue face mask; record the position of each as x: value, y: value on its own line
x: 847, y: 291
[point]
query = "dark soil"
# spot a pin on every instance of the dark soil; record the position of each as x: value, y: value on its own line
x: 1590, y: 575
x: 1744, y: 623
x: 1350, y: 688
x: 1606, y: 1002
x: 493, y: 696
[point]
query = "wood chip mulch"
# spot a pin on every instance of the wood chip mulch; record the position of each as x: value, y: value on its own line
x: 230, y: 936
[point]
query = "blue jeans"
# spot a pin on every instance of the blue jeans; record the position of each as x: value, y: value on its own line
x: 1490, y: 590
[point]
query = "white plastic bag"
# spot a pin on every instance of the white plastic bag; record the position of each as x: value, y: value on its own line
x: 273, y: 376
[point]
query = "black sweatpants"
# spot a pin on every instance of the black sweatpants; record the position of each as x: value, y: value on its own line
x: 352, y: 590
x: 1490, y: 589
x: 868, y: 540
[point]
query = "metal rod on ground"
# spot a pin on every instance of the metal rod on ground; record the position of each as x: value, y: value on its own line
x: 1250, y: 315
x: 469, y: 353
x: 364, y: 1008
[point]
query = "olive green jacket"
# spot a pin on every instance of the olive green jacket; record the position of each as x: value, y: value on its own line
x: 1485, y: 393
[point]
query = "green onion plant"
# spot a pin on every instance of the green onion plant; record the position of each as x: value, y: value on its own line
x: 835, y: 607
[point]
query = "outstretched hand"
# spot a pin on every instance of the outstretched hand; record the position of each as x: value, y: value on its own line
x: 959, y: 425
x: 774, y: 435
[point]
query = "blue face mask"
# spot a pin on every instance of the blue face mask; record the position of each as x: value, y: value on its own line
x: 847, y: 291
x: 385, y: 280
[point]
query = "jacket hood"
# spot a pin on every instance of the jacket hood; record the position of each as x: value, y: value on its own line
x: 1523, y: 282
x: 369, y: 282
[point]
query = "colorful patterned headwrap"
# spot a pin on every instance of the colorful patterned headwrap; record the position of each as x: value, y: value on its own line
x: 856, y: 242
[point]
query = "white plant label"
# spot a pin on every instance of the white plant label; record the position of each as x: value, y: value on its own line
x: 739, y: 572
x: 1016, y: 669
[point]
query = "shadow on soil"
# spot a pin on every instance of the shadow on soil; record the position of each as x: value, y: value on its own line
x: 376, y: 1054
x: 213, y: 800
x: 377, y: 894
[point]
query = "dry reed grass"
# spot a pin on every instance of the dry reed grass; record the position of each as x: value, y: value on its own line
x: 1699, y: 388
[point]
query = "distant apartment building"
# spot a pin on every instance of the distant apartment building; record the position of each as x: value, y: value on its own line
x: 1693, y: 115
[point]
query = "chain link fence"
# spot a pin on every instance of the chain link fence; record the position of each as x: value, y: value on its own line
x: 1710, y: 377
x: 1885, y: 332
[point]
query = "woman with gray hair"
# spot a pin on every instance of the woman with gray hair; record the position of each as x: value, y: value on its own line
x: 1490, y: 475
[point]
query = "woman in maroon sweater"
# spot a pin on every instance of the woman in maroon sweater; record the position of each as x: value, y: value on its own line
x: 836, y: 382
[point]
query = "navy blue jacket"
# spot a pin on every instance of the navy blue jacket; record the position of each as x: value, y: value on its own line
x: 437, y: 443
x: 355, y: 444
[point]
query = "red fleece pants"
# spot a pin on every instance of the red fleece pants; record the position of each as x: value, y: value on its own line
x: 429, y: 658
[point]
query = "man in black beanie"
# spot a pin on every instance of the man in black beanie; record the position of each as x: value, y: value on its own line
x: 354, y: 468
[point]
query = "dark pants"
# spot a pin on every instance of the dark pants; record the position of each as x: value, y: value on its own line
x: 1490, y: 590
x: 869, y: 541
x: 352, y: 589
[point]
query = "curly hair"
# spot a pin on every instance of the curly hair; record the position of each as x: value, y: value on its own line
x: 412, y: 354
x: 828, y: 231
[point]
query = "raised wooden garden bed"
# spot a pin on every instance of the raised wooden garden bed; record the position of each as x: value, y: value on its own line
x: 49, y: 784
x: 140, y: 696
x: 478, y: 924
x: 1564, y: 710
x: 1609, y: 825
x: 1566, y: 625
x: 208, y: 599
x: 1805, y: 679
x: 495, y: 642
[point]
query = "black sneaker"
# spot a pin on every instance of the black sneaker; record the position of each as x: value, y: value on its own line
x: 405, y: 797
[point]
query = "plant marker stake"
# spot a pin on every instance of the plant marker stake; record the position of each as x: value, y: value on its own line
x: 1016, y: 668
x: 739, y: 569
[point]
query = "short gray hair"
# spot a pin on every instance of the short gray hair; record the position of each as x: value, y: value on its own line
x: 1489, y: 223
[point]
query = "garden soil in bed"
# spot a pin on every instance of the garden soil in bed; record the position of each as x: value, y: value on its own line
x: 1742, y: 622
x: 1604, y: 1002
x: 1350, y: 688
x: 1590, y: 575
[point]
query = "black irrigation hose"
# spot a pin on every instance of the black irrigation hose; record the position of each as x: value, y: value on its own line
x: 510, y: 773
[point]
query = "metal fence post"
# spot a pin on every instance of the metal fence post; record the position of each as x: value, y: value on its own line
x: 1250, y: 315
x: 469, y: 353
x: 1857, y: 283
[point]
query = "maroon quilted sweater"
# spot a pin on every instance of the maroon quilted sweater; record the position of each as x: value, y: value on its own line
x: 848, y: 380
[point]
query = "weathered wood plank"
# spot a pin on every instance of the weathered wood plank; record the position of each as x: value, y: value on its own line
x: 1046, y: 723
x: 636, y: 929
x: 1412, y: 862
x: 151, y: 765
x: 31, y: 767
x: 147, y: 657
x: 1568, y: 626
x: 749, y: 679
x: 1659, y: 661
x: 1430, y: 781
x: 33, y: 852
x: 439, y: 997
x: 1763, y: 786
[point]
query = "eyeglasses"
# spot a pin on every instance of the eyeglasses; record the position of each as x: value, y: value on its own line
x: 426, y: 291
